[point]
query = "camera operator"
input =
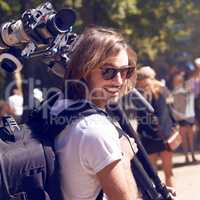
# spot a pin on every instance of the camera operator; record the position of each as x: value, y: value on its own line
x: 94, y: 157
x: 89, y: 150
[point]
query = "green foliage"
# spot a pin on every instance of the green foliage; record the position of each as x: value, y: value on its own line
x: 4, y: 6
x: 153, y: 27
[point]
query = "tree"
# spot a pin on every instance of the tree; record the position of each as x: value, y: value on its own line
x: 155, y: 28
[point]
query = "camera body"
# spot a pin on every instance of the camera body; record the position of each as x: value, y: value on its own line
x: 39, y: 32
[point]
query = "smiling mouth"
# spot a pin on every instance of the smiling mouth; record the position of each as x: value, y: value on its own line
x: 112, y: 90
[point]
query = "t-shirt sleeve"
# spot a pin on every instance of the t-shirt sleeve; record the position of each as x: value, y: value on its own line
x: 99, y: 146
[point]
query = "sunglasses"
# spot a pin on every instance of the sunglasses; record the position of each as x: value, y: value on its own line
x: 110, y: 72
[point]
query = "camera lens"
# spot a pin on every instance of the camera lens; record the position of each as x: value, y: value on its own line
x: 61, y: 21
x: 10, y: 62
x: 64, y: 19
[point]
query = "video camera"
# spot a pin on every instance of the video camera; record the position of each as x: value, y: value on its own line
x: 39, y: 32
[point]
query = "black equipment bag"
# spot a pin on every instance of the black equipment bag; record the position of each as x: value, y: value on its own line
x: 24, y: 174
x: 28, y: 167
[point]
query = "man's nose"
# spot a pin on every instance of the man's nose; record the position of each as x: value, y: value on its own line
x: 118, y: 78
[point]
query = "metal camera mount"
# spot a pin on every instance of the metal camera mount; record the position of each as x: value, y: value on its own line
x: 39, y: 32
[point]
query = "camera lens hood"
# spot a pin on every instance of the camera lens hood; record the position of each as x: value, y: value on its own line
x: 10, y: 63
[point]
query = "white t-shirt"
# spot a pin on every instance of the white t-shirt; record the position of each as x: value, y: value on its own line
x: 16, y: 102
x: 84, y: 148
x: 183, y: 105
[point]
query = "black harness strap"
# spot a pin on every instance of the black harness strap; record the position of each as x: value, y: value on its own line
x: 100, y: 195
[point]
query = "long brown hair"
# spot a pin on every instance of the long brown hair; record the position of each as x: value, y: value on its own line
x: 151, y: 86
x: 93, y: 49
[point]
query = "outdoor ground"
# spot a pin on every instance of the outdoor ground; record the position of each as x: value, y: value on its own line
x: 187, y: 178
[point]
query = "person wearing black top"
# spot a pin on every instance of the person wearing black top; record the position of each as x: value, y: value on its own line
x: 154, y: 128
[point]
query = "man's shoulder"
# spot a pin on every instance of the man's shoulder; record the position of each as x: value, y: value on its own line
x: 94, y: 120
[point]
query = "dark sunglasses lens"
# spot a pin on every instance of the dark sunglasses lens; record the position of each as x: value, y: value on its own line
x: 130, y: 72
x: 109, y: 73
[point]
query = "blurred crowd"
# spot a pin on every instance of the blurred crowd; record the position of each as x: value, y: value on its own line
x: 176, y: 103
x: 14, y: 104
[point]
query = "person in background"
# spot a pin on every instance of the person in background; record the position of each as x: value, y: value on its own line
x: 15, y: 101
x: 196, y: 91
x: 151, y: 127
x: 37, y: 96
x: 37, y: 93
x: 183, y: 111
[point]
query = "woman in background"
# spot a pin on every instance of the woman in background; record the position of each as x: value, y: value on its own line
x: 151, y: 127
x: 183, y: 111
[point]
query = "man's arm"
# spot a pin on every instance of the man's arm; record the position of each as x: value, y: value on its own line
x: 114, y: 183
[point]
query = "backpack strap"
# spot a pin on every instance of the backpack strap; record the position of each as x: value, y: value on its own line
x: 100, y: 195
x: 80, y: 109
x: 10, y: 131
x: 47, y: 126
x: 67, y: 116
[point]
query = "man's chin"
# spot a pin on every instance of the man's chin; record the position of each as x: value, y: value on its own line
x: 113, y: 99
x: 105, y: 99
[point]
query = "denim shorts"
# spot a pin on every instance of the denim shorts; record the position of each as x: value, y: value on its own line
x: 187, y: 122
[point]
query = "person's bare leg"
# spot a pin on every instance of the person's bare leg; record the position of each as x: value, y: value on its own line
x: 166, y: 157
x: 190, y: 131
x: 153, y: 159
x: 183, y: 132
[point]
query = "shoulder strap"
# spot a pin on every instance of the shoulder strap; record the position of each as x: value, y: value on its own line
x: 46, y: 125
x: 76, y: 111
x: 80, y: 109
x: 100, y: 195
x: 9, y: 129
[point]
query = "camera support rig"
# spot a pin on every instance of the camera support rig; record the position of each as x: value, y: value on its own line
x: 40, y: 32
